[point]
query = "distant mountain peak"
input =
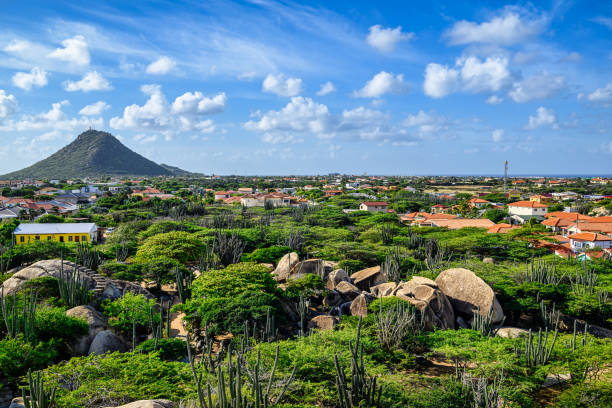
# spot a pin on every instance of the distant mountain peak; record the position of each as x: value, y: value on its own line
x: 94, y: 153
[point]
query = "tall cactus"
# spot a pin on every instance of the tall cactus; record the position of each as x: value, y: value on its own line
x: 183, y: 283
x: 542, y: 272
x: 88, y: 257
x: 18, y: 321
x: 363, y: 388
x: 484, y: 324
x: 584, y: 280
x: 38, y: 397
x: 538, y: 353
x: 73, y: 288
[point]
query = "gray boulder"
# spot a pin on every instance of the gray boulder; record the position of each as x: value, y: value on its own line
x: 323, y: 322
x: 468, y: 293
x: 366, y: 278
x: 335, y: 277
x: 333, y: 298
x: 308, y: 267
x: 17, y: 403
x: 106, y: 341
x: 96, y: 321
x: 148, y: 404
x: 430, y: 301
x: 347, y: 290
x: 39, y: 269
x: 359, y: 306
x: 283, y: 268
x: 511, y: 332
x: 383, y: 289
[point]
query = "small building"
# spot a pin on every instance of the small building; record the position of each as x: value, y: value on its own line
x: 221, y: 195
x: 374, y: 206
x: 459, y: 223
x: 66, y: 232
x: 522, y: 211
x: 478, y: 203
x: 586, y: 240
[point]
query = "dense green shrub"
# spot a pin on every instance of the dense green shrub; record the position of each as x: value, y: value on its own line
x: 306, y: 286
x: 596, y: 394
x: 166, y: 226
x: 178, y: 245
x: 169, y: 349
x: 226, y: 298
x: 121, y: 271
x: 127, y: 309
x: 52, y: 323
x: 18, y: 355
x: 113, y: 379
x: 266, y: 255
x: 45, y: 287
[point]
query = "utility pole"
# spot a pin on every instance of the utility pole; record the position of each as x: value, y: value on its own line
x: 506, y: 176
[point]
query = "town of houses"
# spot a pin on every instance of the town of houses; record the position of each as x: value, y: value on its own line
x: 555, y: 203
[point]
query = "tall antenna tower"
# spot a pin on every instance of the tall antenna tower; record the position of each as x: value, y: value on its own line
x: 506, y: 176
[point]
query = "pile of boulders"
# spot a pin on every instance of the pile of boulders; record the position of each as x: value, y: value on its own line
x: 446, y: 303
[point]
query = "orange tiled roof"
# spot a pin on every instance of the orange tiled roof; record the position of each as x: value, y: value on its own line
x: 601, y: 227
x: 527, y: 204
x: 567, y: 216
x: 501, y: 228
x: 590, y: 237
x: 464, y: 223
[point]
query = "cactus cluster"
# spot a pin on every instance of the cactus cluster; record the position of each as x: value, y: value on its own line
x: 38, y: 397
x: 392, y: 264
x: 18, y: 319
x: 363, y: 388
x: 549, y: 317
x: 484, y: 324
x: 393, y: 324
x: 73, y: 288
x: 572, y: 344
x: 229, y: 391
x: 228, y: 247
x: 485, y: 394
x: 88, y: 257
x: 584, y: 280
x: 303, y: 310
x: 542, y: 272
x: 538, y: 352
x: 122, y: 252
x: 183, y: 283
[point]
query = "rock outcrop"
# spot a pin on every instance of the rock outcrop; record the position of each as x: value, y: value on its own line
x: 366, y: 278
x: 323, y: 322
x: 308, y: 267
x: 335, y: 277
x: 425, y: 295
x: 284, y: 266
x: 468, y: 293
x: 106, y: 342
x: 96, y: 321
x: 39, y: 269
x: 359, y: 306
x: 148, y: 404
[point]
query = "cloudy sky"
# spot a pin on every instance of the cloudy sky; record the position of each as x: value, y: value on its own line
x: 266, y: 87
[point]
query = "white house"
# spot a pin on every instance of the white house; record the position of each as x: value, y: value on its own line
x: 220, y: 195
x: 522, y: 211
x: 374, y: 206
x: 585, y: 240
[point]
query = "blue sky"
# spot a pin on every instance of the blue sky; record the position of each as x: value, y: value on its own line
x: 265, y: 87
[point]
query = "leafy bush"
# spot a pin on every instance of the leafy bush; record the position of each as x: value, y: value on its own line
x: 169, y: 349
x: 52, y: 323
x: 306, y: 286
x: 226, y: 298
x: 266, y: 255
x: 113, y: 379
x: 167, y: 226
x: 17, y: 356
x: 121, y: 271
x: 50, y: 219
x: 595, y: 395
x: 178, y: 245
x: 45, y: 287
x: 128, y: 308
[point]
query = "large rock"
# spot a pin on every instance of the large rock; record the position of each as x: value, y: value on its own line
x: 335, y: 277
x: 96, y: 321
x: 366, y: 278
x: 468, y: 293
x: 383, y: 289
x: 347, y: 290
x: 39, y: 269
x: 148, y: 404
x: 17, y: 403
x: 106, y: 341
x: 283, y: 268
x: 511, y: 332
x: 333, y: 298
x: 430, y: 301
x: 323, y: 322
x: 359, y: 306
x: 407, y: 288
x: 308, y: 267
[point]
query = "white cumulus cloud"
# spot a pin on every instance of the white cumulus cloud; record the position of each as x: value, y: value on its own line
x: 8, y: 104
x: 75, y: 51
x: 26, y: 80
x: 385, y: 39
x: 543, y: 117
x: 494, y: 100
x: 601, y: 95
x: 94, y: 109
x: 381, y: 84
x: 196, y: 103
x: 161, y: 66
x: 536, y: 87
x: 511, y: 27
x: 92, y: 81
x: 426, y: 123
x: 470, y: 74
x: 280, y: 85
x: 497, y: 135
x: 326, y: 89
